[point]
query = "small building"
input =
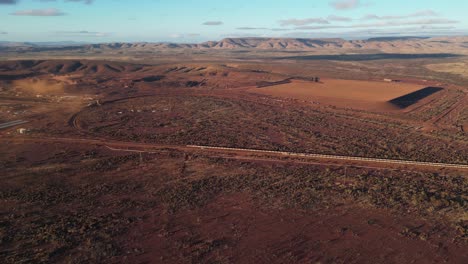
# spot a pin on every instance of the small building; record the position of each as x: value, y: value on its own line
x: 22, y: 131
x: 391, y: 80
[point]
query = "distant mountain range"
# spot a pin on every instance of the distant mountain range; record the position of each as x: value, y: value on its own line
x: 41, y: 44
x: 383, y: 44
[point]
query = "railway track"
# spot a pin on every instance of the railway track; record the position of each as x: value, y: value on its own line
x: 12, y: 124
x: 134, y: 147
x: 336, y: 157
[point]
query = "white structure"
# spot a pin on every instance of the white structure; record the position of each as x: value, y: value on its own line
x: 391, y: 80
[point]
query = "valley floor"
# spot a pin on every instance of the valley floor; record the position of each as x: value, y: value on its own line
x: 135, y: 163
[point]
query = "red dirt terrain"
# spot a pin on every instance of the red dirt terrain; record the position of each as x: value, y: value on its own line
x: 105, y: 171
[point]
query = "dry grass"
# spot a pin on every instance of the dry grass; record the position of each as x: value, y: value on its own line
x: 38, y: 86
x: 459, y: 68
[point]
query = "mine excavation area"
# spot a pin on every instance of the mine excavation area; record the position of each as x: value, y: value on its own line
x: 110, y: 162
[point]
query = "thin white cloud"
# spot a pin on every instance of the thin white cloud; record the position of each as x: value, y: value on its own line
x: 410, y: 22
x: 339, y: 18
x: 251, y: 28
x: 422, y: 13
x: 88, y: 2
x: 176, y: 36
x: 345, y: 4
x: 83, y: 1
x: 39, y: 12
x: 8, y: 2
x: 242, y: 35
x: 280, y: 29
x: 180, y: 36
x: 424, y: 30
x: 83, y: 33
x: 213, y: 23
x: 391, y: 23
x: 302, y: 22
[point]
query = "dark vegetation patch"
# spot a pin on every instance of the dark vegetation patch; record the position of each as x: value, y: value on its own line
x: 267, y: 84
x: 307, y: 187
x: 154, y: 78
x: 60, y: 217
x: 13, y: 77
x: 201, y: 120
x: 195, y: 83
x: 69, y: 67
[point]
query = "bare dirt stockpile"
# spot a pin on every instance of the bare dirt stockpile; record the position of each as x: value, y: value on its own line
x: 65, y: 196
x: 366, y: 95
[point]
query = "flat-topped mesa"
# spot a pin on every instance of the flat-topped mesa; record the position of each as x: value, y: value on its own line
x: 273, y: 43
x: 408, y: 45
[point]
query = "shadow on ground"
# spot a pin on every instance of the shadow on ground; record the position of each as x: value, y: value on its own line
x: 379, y: 56
x: 412, y: 98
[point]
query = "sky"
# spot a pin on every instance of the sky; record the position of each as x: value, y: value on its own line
x: 195, y: 21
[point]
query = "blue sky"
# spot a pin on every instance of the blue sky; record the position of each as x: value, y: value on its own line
x: 197, y: 21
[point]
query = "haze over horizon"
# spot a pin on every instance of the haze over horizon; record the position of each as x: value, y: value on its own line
x: 165, y: 21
